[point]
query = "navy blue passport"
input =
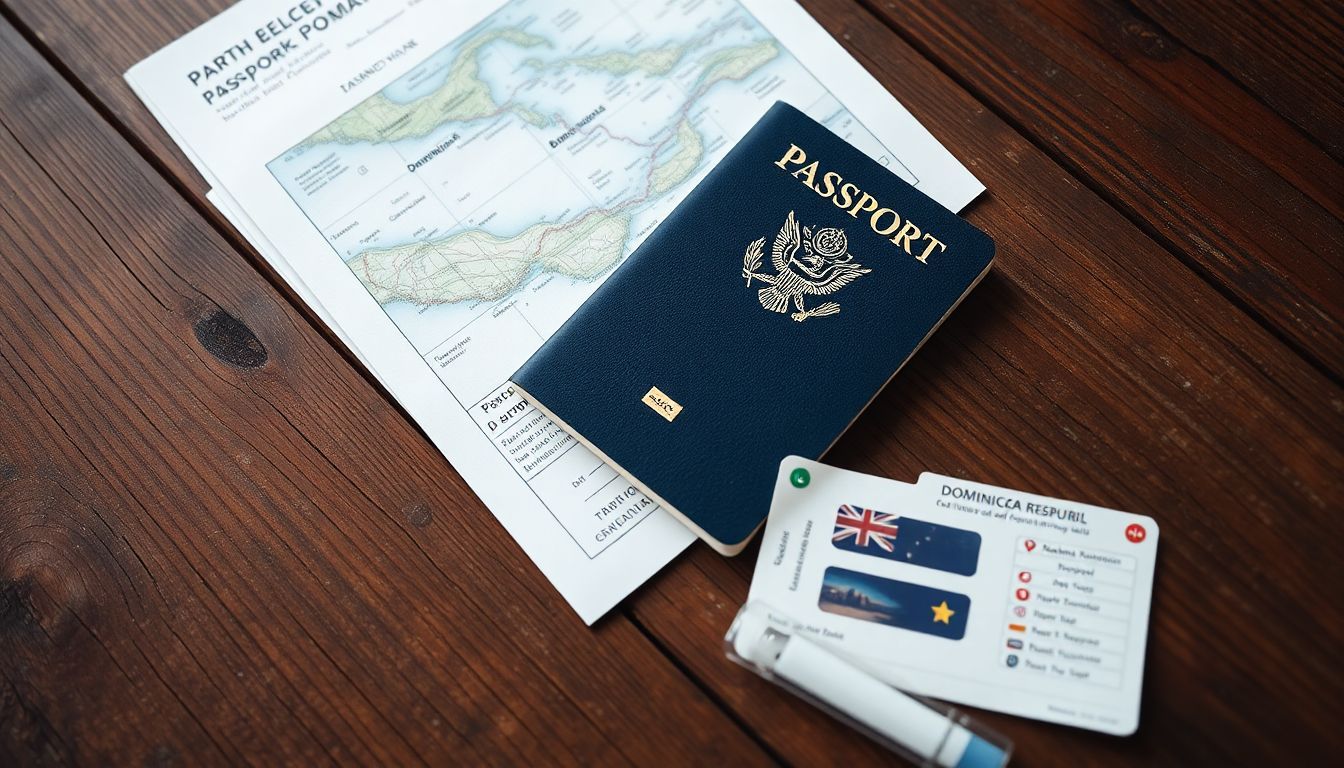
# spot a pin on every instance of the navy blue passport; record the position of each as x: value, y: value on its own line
x: 756, y: 322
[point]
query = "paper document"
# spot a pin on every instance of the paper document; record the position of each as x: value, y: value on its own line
x: 446, y: 182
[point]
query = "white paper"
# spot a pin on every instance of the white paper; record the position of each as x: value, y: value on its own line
x: 446, y: 182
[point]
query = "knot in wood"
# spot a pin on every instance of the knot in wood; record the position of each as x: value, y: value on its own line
x: 230, y: 340
x: 418, y: 514
x: 41, y: 594
x: 16, y: 608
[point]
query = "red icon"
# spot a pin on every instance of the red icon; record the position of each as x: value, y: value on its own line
x: 1030, y: 544
x: 1024, y: 577
x: 1019, y: 610
x: 1022, y: 593
x: 1135, y: 533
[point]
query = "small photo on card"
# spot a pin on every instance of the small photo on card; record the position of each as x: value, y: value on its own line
x: 906, y: 540
x: 894, y: 603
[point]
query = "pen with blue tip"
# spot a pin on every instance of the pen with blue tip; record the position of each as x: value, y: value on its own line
x: 924, y: 732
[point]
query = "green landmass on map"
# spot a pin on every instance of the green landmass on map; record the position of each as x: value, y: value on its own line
x: 480, y: 266
x: 735, y: 63
x: 682, y: 163
x: 476, y: 265
x: 461, y: 97
x: 652, y: 61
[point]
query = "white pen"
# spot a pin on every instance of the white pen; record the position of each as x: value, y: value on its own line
x: 924, y: 732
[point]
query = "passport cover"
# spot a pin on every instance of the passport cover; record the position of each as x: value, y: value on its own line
x: 756, y: 322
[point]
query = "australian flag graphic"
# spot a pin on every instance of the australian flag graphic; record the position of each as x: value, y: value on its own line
x: 906, y: 540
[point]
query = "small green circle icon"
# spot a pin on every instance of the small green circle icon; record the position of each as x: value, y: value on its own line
x: 800, y: 478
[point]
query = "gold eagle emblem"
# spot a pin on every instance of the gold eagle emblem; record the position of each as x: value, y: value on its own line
x: 823, y: 267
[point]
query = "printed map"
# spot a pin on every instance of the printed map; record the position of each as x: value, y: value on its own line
x: 511, y: 170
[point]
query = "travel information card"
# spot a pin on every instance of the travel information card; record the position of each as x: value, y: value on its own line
x: 980, y: 595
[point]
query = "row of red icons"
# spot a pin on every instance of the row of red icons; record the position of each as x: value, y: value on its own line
x: 1020, y: 611
x: 1023, y: 593
x: 1134, y: 533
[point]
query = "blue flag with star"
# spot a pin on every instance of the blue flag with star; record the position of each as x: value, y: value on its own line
x: 862, y: 596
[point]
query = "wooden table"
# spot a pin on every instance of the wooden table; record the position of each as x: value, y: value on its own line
x: 221, y: 542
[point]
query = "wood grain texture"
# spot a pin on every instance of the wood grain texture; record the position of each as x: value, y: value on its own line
x: 1215, y: 176
x: 1092, y: 364
x: 220, y: 545
x: 1286, y: 53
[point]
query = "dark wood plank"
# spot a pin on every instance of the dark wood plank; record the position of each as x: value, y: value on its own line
x: 1091, y: 365
x: 1286, y: 53
x: 219, y: 547
x: 1214, y: 175
x: 137, y: 29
